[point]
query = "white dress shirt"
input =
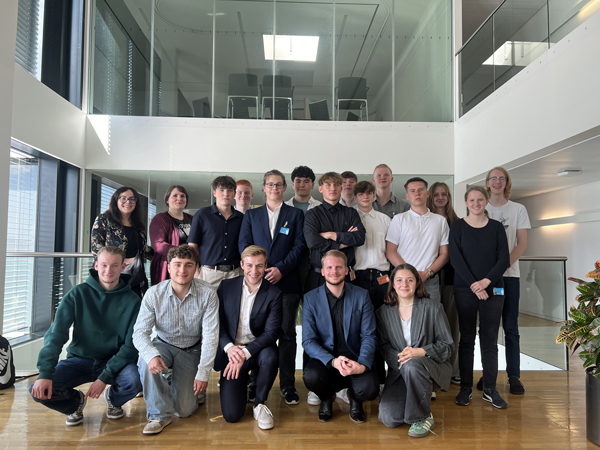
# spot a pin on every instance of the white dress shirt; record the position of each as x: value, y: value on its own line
x: 273, y: 217
x: 244, y: 335
x: 371, y: 255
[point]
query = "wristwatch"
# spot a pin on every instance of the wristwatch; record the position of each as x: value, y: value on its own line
x: 431, y: 272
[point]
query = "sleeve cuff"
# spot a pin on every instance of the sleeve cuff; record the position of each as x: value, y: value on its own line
x: 227, y: 347
x: 247, y: 353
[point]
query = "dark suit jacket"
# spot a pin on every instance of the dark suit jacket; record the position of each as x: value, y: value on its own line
x: 429, y: 330
x: 265, y: 318
x: 284, y: 251
x: 359, y: 325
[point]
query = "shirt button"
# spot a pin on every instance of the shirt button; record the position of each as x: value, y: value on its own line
x: 225, y: 246
x: 225, y: 234
x: 225, y: 259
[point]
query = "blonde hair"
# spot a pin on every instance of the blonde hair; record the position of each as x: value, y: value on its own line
x: 254, y: 250
x: 448, y: 209
x: 335, y: 254
x: 110, y: 250
x: 382, y: 166
x: 507, y: 189
x: 331, y: 177
x: 482, y: 190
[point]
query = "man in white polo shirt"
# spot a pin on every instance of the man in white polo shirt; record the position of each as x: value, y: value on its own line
x: 419, y: 237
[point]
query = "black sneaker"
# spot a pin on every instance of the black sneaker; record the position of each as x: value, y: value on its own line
x: 516, y: 387
x: 492, y: 396
x: 291, y: 396
x: 464, y: 396
x: 480, y: 384
x: 77, y: 417
x: 455, y: 380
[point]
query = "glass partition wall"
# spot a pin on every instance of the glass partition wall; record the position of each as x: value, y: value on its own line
x: 273, y: 59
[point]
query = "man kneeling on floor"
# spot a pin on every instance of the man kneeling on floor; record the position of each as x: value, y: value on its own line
x: 102, y: 311
x: 251, y: 313
x: 185, y: 312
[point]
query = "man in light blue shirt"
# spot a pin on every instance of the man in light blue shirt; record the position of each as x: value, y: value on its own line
x: 185, y: 313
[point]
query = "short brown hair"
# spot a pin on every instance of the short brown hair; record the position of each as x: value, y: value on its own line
x: 253, y: 250
x: 335, y: 254
x: 244, y: 183
x: 329, y: 177
x: 184, y: 251
x: 391, y: 298
x: 348, y: 174
x: 110, y: 250
x: 363, y: 187
x: 382, y: 166
x: 180, y: 189
x: 508, y: 188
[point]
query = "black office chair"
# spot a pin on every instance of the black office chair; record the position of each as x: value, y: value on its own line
x: 242, y: 94
x: 352, y: 94
x: 201, y: 107
x: 319, y: 110
x: 284, y: 93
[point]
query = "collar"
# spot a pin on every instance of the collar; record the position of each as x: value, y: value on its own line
x: 329, y: 205
x: 275, y: 210
x: 362, y: 213
x: 416, y: 214
x: 328, y: 292
x: 192, y: 291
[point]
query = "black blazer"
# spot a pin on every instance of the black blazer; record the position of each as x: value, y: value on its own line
x: 265, y: 318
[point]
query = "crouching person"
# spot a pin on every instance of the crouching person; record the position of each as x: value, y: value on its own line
x: 251, y: 314
x: 185, y: 313
x: 102, y: 311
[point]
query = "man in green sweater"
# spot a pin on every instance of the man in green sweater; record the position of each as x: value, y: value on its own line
x: 102, y: 311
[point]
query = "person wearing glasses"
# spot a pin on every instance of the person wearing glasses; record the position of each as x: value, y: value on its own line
x: 167, y: 230
x: 278, y: 228
x: 122, y: 225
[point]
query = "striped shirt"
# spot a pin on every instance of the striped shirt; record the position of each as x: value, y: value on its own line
x: 180, y: 323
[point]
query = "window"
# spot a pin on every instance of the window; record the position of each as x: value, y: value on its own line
x: 30, y: 27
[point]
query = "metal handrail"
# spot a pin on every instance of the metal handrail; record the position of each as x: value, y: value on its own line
x: 480, y: 27
x: 48, y: 255
x: 543, y: 258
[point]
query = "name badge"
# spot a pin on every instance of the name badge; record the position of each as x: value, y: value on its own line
x: 284, y: 230
x: 352, y: 275
x: 383, y: 279
x: 498, y: 291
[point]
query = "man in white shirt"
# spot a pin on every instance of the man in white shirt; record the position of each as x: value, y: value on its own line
x: 419, y: 237
x: 347, y: 198
x: 243, y: 195
x: 372, y: 269
x: 385, y: 201
x: 185, y: 313
x: 516, y: 223
x: 250, y: 314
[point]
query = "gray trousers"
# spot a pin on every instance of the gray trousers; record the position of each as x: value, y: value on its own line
x: 408, y: 398
x: 433, y: 288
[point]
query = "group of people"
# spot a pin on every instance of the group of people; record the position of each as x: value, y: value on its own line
x: 383, y: 281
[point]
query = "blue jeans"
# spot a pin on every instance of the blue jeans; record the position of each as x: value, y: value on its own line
x: 433, y: 288
x: 72, y: 372
x: 164, y: 400
x: 510, y: 323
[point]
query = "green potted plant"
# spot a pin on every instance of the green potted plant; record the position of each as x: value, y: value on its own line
x: 583, y: 330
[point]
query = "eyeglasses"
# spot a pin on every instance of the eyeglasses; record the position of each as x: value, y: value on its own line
x: 125, y: 200
x: 274, y: 185
x: 501, y: 179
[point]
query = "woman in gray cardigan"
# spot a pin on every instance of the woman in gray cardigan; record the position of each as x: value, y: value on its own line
x: 416, y: 343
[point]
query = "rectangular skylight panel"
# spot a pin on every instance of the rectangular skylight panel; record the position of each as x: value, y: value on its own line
x: 291, y: 48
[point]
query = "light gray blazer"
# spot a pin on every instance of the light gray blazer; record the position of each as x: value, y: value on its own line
x: 429, y: 330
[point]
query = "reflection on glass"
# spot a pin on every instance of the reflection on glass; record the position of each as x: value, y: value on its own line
x: 183, y: 48
x: 476, y: 77
x: 566, y: 15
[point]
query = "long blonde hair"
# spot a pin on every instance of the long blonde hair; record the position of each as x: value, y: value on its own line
x: 507, y: 189
x: 448, y: 209
x: 485, y: 194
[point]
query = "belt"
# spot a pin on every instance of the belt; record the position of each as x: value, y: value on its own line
x: 182, y: 349
x: 222, y: 268
x: 371, y: 271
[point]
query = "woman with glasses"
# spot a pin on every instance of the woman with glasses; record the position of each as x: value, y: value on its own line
x: 122, y: 225
x: 479, y: 255
x: 169, y: 229
x: 440, y: 202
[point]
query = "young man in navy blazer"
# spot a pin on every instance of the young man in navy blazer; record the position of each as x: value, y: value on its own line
x: 278, y: 228
x: 338, y: 334
x: 250, y: 315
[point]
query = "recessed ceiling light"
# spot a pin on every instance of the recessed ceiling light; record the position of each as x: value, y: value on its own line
x: 569, y: 172
x: 291, y: 48
x: 215, y: 14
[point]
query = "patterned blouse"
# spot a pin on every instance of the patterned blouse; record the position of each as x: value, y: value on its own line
x: 106, y: 233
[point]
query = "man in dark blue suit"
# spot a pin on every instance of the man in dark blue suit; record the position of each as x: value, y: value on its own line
x: 250, y: 315
x: 278, y: 228
x: 338, y: 334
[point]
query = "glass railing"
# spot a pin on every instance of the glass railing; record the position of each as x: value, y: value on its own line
x: 543, y: 304
x: 510, y: 39
x: 35, y: 283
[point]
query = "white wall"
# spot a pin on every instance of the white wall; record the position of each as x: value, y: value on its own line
x: 44, y: 120
x: 577, y: 239
x: 183, y: 144
x: 553, y: 99
x: 8, y: 30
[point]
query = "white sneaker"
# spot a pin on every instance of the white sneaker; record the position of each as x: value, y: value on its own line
x: 263, y: 416
x: 313, y: 399
x: 201, y: 397
x: 343, y: 395
x: 433, y: 395
x: 155, y: 426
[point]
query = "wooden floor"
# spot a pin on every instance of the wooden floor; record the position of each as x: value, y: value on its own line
x: 551, y: 415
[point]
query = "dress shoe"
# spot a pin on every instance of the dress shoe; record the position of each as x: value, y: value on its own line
x: 357, y: 413
x: 326, y: 410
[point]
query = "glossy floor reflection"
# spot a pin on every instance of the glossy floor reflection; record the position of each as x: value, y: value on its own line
x: 551, y: 415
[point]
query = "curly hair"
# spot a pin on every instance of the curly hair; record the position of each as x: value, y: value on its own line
x: 184, y: 251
